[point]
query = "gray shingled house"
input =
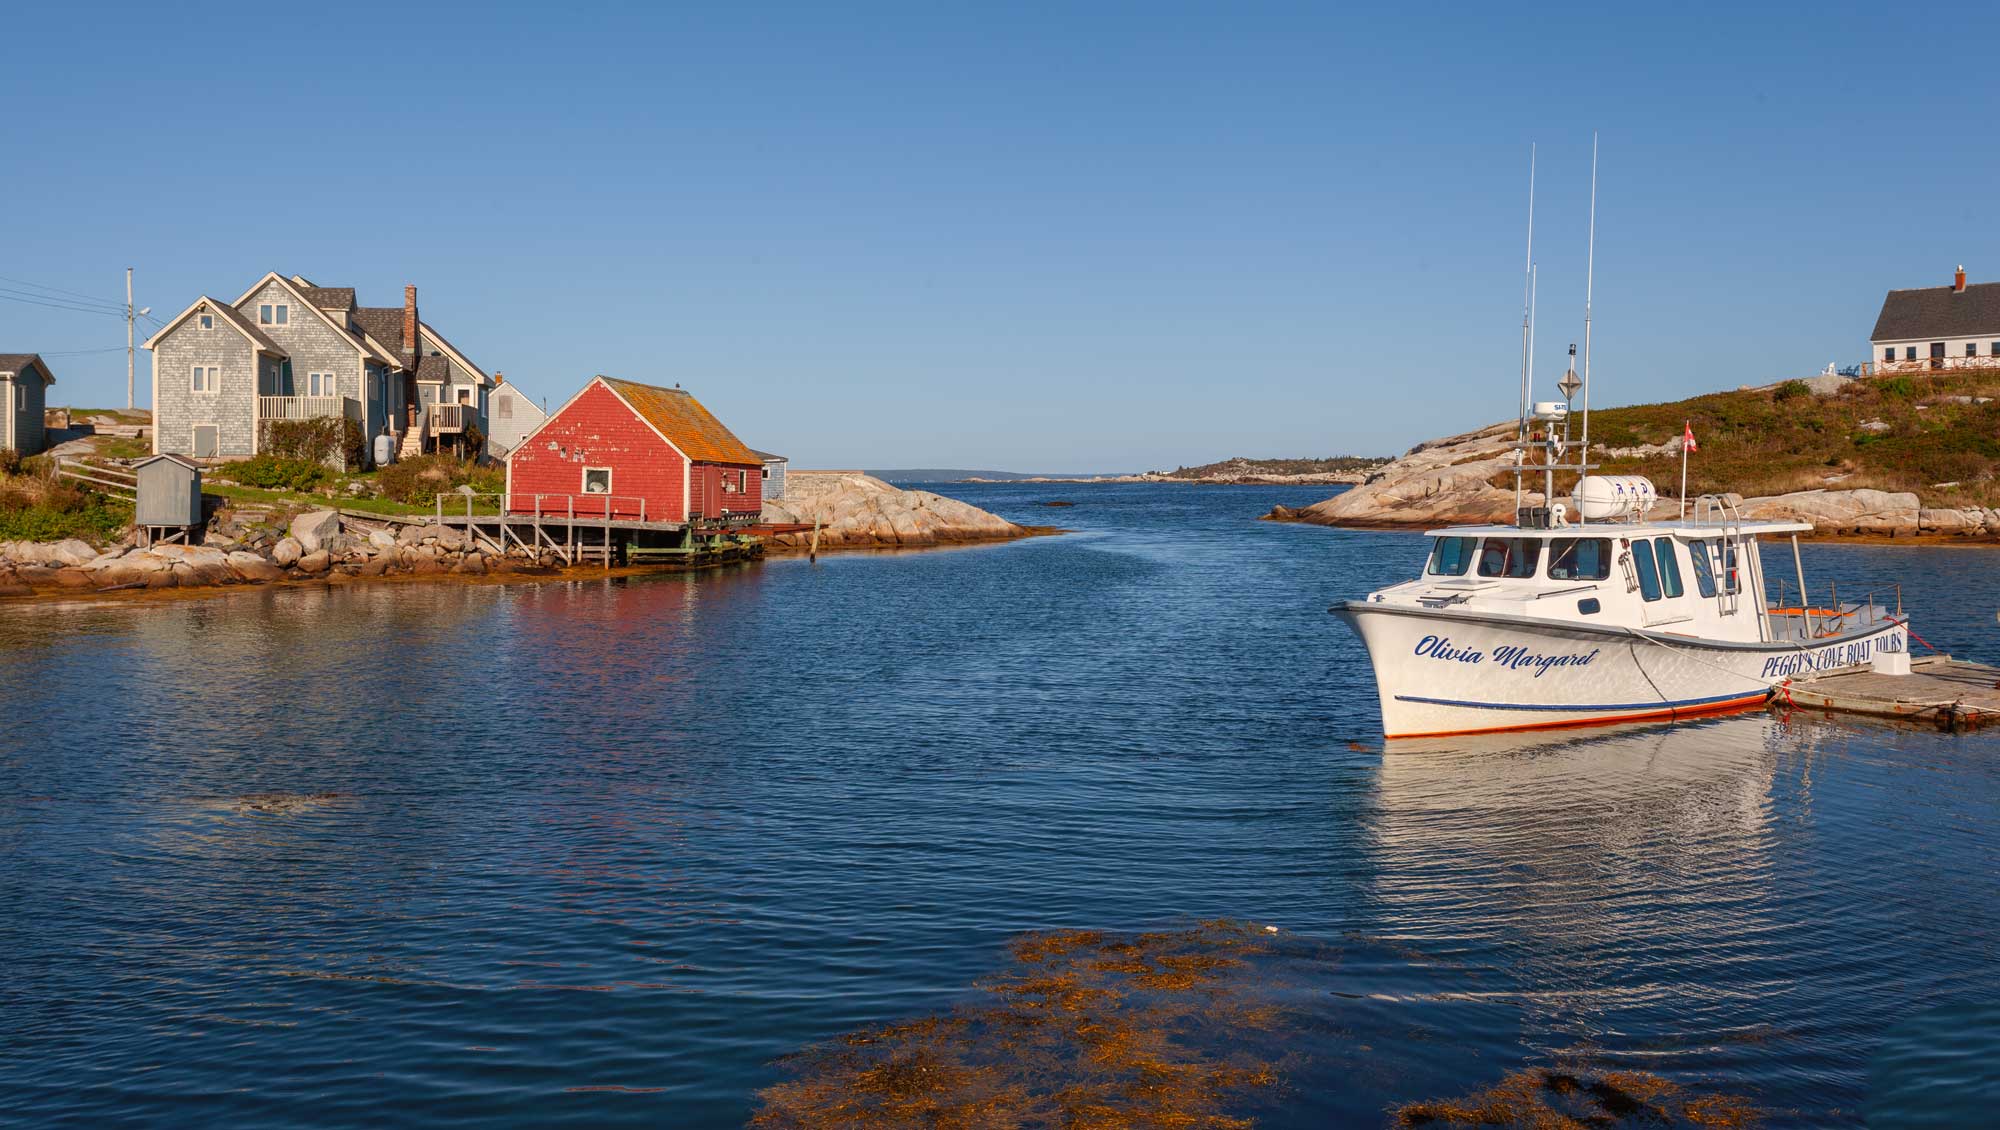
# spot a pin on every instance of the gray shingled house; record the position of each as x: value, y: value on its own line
x: 24, y: 385
x: 1938, y: 327
x: 290, y: 350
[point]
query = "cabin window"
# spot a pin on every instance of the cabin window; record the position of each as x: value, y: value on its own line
x: 1889, y: 353
x: 1704, y: 570
x: 1648, y: 570
x: 1510, y: 557
x: 1732, y: 583
x: 1670, y: 568
x: 1579, y: 559
x: 1909, y: 353
x: 1972, y: 349
x: 1993, y: 349
x: 597, y: 480
x: 274, y: 315
x: 206, y: 321
x: 1451, y: 557
x: 766, y: 474
x: 1589, y: 606
x: 206, y: 378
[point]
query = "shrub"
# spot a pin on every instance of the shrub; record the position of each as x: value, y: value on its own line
x: 45, y: 510
x: 323, y: 439
x: 276, y: 473
x: 10, y: 462
x: 418, y: 481
x: 1791, y: 390
x: 1903, y: 388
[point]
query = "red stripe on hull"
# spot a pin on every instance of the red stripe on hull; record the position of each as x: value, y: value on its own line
x: 1757, y: 699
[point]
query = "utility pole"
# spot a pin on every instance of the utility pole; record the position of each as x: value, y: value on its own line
x: 130, y: 402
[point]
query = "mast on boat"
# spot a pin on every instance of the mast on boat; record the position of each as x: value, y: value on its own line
x: 1548, y: 416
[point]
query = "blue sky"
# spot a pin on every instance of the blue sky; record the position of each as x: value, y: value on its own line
x: 1086, y: 236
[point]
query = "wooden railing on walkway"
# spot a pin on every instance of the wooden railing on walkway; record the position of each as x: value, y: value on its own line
x: 106, y: 480
x: 307, y: 407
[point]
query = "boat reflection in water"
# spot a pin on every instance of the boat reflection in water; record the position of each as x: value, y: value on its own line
x: 1622, y: 888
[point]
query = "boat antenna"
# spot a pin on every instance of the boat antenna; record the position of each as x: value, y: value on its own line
x: 1589, y: 287
x: 1527, y: 336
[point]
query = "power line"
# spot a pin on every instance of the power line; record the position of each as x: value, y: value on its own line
x: 60, y: 290
x: 18, y: 296
x: 81, y: 352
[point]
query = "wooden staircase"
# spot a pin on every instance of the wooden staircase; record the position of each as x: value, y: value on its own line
x: 412, y: 444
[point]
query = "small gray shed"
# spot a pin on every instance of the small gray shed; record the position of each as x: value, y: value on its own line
x: 169, y: 494
x: 774, y: 475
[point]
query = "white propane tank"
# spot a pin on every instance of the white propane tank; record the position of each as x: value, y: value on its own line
x: 385, y: 449
x: 1614, y: 496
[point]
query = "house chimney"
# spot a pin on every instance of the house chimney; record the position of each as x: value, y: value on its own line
x: 1958, y: 280
x: 499, y: 378
x: 410, y: 325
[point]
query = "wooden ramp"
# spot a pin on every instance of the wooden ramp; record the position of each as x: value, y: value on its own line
x: 1950, y: 693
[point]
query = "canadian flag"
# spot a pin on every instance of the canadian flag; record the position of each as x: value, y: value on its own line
x: 1687, y: 437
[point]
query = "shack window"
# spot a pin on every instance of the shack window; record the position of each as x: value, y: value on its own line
x: 1451, y: 557
x: 1649, y: 572
x: 1510, y: 557
x: 1993, y: 349
x: 1909, y: 353
x: 1704, y: 570
x: 1670, y: 568
x: 1888, y: 353
x: 1972, y: 349
x: 207, y: 321
x: 1579, y: 559
x: 597, y: 480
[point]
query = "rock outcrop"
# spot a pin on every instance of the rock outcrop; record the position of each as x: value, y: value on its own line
x: 1449, y: 482
x: 857, y: 511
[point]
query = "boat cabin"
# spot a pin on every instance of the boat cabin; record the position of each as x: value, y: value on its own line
x: 1695, y: 578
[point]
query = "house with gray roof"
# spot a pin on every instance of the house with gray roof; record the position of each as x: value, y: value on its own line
x: 1939, y: 327
x: 24, y: 383
x: 289, y: 349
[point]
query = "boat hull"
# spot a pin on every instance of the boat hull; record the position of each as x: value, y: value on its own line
x: 1443, y: 673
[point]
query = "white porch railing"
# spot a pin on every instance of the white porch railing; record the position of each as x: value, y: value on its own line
x: 450, y: 417
x: 307, y: 407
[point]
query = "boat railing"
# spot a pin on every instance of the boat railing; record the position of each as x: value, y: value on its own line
x: 1792, y: 620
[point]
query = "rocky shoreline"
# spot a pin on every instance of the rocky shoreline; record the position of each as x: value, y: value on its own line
x: 250, y: 548
x: 1447, y: 482
x: 859, y: 511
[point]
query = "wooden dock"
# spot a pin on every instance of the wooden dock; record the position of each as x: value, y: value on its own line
x: 1951, y: 694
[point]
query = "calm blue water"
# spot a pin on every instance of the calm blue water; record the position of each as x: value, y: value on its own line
x: 596, y: 853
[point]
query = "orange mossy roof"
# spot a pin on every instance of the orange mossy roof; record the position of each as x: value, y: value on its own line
x: 685, y: 423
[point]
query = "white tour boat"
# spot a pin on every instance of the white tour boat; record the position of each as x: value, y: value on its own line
x: 1593, y: 610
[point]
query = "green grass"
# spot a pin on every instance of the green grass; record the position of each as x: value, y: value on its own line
x: 297, y: 501
x: 1771, y: 441
x: 60, y: 514
x: 1322, y: 466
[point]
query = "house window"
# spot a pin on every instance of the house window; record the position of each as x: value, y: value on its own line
x: 206, y: 378
x: 767, y: 474
x: 465, y: 396
x: 1888, y: 353
x: 1972, y: 349
x: 207, y: 321
x: 597, y: 480
x: 506, y: 407
x: 274, y: 315
x: 1909, y: 353
x: 1993, y: 350
x: 319, y: 384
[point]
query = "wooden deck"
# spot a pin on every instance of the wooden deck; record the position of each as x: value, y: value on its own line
x: 1949, y: 693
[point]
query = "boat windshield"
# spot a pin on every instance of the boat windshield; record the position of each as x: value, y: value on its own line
x: 1451, y: 557
x: 1510, y: 557
x: 1579, y: 559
